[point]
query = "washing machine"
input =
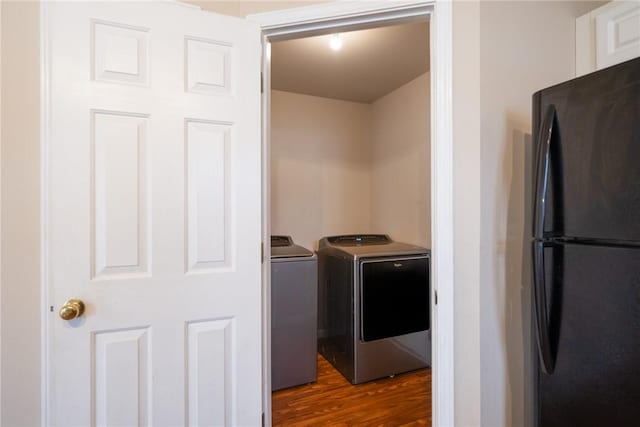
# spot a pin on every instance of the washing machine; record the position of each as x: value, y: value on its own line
x: 374, y: 306
x: 294, y: 314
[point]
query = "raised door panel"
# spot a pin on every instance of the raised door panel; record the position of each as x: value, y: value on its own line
x: 119, y: 196
x: 122, y: 378
x: 208, y: 66
x: 120, y: 53
x: 207, y: 202
x: 210, y: 389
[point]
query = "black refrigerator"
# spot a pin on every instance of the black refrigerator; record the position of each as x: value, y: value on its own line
x: 586, y: 250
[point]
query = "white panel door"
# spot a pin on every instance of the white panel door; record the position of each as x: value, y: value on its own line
x: 152, y: 213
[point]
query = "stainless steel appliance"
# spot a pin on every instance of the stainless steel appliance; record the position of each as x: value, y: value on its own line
x: 374, y: 306
x: 294, y: 314
x: 586, y: 250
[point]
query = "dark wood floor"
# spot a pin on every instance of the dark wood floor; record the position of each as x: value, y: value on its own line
x: 404, y: 400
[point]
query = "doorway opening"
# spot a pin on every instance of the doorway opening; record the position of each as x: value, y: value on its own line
x: 349, y: 155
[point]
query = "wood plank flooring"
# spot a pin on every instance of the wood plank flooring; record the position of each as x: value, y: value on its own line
x: 404, y: 400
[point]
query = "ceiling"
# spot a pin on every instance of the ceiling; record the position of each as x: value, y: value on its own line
x: 370, y: 64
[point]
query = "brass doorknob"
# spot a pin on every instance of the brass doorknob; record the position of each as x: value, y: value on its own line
x: 72, y: 309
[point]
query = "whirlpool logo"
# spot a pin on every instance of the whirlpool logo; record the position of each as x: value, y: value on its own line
x: 397, y: 264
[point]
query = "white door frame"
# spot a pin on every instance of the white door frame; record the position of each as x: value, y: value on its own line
x: 324, y: 18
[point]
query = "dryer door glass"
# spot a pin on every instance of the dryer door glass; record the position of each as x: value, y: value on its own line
x: 394, y: 297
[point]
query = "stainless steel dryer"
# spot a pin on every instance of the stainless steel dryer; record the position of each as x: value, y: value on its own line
x: 374, y: 306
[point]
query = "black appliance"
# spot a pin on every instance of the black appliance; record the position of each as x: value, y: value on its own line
x: 586, y: 250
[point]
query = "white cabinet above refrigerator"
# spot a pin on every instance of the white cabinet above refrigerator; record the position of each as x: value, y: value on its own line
x: 607, y: 36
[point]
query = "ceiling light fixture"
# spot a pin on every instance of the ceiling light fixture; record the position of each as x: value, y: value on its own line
x: 335, y: 42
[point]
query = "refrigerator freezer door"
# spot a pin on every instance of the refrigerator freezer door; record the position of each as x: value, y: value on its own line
x: 594, y: 183
x: 594, y: 317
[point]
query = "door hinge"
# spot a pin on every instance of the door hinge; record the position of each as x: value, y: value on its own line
x: 261, y: 252
x: 261, y: 82
x: 435, y: 294
x: 263, y: 419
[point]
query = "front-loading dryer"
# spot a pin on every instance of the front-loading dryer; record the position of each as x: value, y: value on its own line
x: 374, y: 306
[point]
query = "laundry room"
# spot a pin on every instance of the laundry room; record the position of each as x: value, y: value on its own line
x: 350, y: 219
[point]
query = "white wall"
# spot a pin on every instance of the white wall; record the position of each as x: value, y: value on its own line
x: 400, y: 163
x: 466, y: 211
x: 20, y: 266
x: 341, y: 167
x: 503, y: 52
x: 320, y: 167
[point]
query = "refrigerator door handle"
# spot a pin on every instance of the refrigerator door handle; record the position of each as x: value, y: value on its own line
x: 540, y: 307
x: 542, y: 171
